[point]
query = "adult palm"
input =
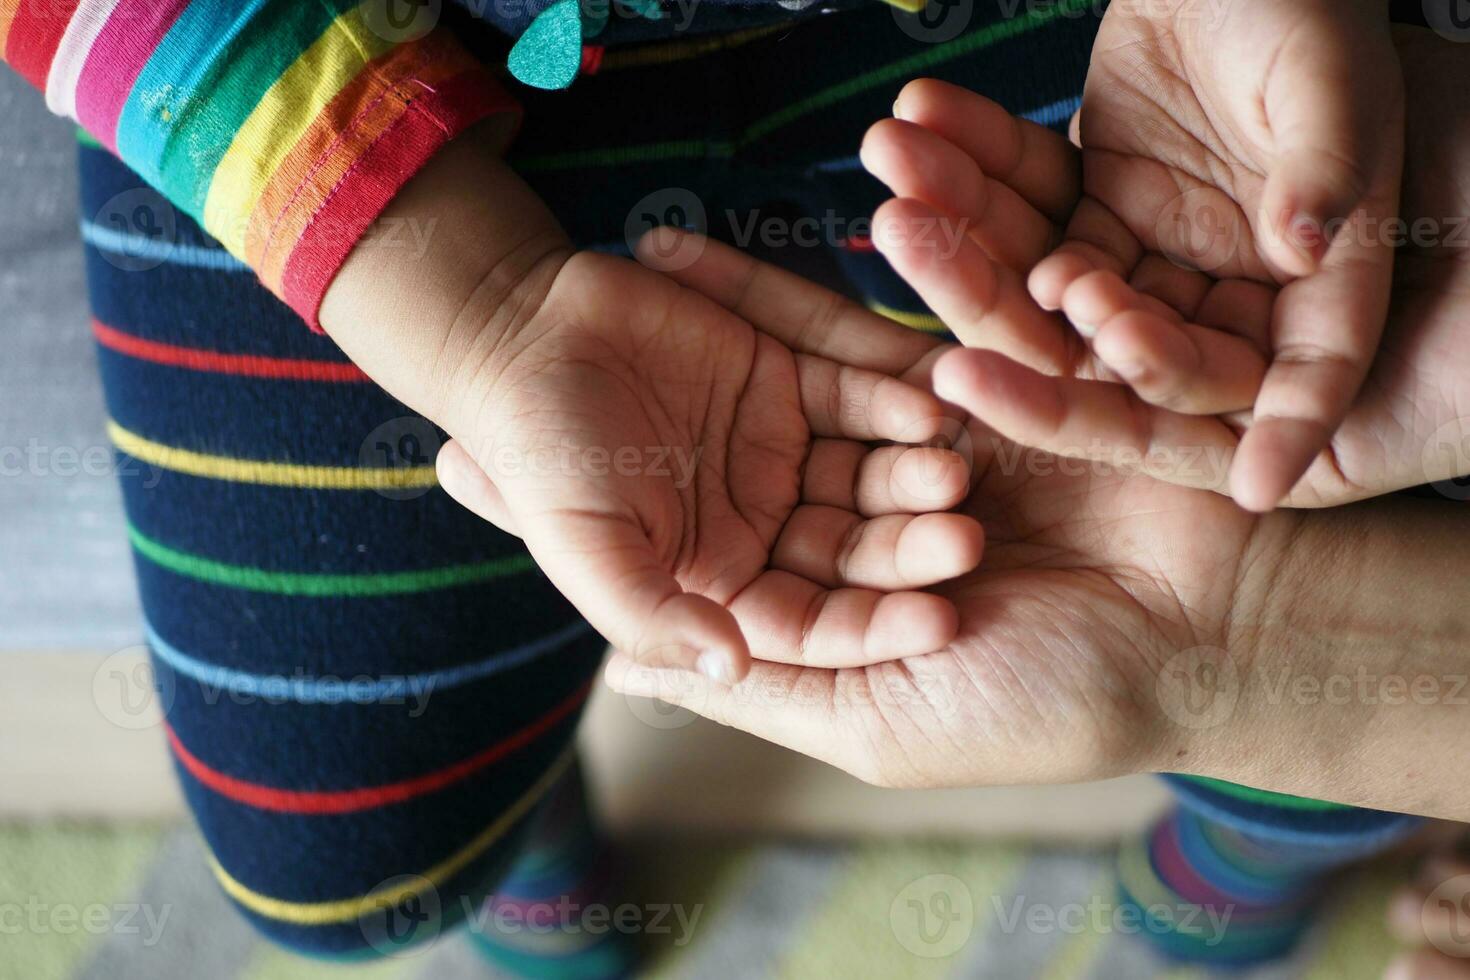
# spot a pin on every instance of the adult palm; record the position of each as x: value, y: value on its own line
x: 1093, y: 580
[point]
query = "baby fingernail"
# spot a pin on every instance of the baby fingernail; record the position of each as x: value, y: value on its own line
x: 1088, y: 330
x: 1306, y: 233
x: 715, y: 667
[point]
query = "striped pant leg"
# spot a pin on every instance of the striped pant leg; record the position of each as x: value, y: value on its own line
x: 368, y: 691
x: 1232, y: 875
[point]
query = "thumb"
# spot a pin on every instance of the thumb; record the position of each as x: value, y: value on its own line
x: 606, y: 566
x: 1331, y: 100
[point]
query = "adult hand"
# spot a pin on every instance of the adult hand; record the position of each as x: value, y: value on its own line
x: 1091, y: 582
x: 1123, y: 624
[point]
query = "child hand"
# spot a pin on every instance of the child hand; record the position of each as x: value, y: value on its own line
x: 1239, y: 162
x: 1020, y: 188
x: 714, y: 487
x: 699, y: 490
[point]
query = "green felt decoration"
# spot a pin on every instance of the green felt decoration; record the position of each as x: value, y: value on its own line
x: 549, y: 54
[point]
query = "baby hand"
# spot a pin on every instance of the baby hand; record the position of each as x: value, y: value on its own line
x: 702, y: 491
x: 1171, y: 345
x: 1239, y: 163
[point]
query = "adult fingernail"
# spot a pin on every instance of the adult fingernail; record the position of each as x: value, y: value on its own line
x: 716, y: 667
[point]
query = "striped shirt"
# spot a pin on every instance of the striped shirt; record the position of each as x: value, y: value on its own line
x: 283, y: 127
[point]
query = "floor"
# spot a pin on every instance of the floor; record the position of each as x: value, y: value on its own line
x: 707, y: 908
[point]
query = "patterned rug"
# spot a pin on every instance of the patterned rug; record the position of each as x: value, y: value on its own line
x: 135, y: 902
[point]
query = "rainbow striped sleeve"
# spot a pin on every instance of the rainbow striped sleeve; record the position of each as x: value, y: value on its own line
x: 284, y: 127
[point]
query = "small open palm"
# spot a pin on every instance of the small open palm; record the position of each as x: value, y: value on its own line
x: 702, y: 493
x: 1092, y: 582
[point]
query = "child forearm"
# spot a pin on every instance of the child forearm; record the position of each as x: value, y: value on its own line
x: 423, y: 321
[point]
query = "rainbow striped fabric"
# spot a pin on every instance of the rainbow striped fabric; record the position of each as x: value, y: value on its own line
x: 283, y: 127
